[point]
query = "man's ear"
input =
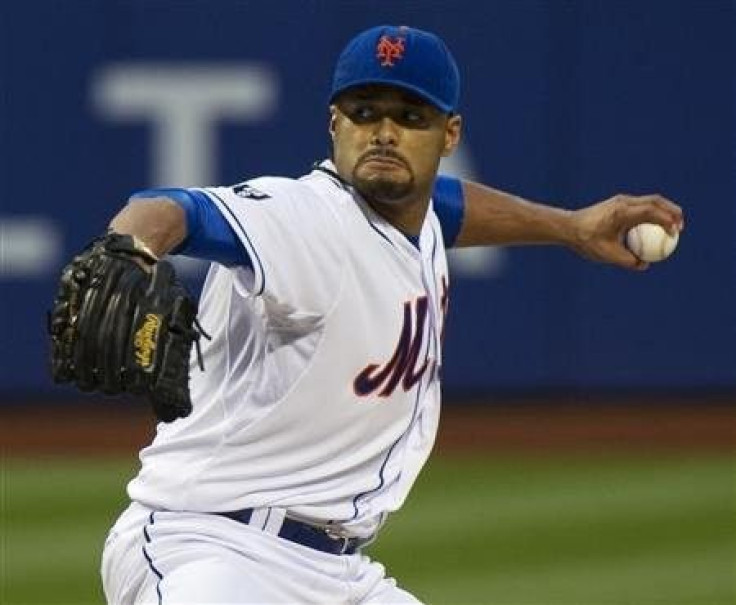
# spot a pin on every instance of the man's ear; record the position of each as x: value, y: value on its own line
x: 452, y: 134
x: 333, y: 120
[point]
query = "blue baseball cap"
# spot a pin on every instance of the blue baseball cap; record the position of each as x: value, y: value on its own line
x: 404, y: 57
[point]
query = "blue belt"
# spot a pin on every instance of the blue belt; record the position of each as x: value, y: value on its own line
x: 305, y: 534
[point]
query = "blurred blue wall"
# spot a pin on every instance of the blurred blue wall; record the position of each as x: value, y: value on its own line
x: 564, y: 101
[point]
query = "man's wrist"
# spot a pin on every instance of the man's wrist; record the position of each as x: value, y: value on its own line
x: 569, y: 229
x: 157, y: 225
x: 143, y: 247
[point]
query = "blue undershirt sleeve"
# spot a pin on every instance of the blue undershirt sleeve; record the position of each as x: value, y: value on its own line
x: 449, y: 206
x: 209, y: 236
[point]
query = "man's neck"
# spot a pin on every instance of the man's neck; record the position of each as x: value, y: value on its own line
x: 405, y: 215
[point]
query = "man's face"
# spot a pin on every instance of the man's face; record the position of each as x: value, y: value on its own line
x: 388, y: 142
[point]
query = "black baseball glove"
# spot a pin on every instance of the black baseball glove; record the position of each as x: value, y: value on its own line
x: 122, y: 323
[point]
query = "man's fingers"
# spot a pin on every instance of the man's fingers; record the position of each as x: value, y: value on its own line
x: 638, y: 264
x: 623, y: 257
x: 651, y: 209
x: 668, y: 207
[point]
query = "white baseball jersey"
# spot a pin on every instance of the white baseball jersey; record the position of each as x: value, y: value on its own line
x: 321, y: 390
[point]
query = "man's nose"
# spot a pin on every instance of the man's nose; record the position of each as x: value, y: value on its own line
x: 386, y: 132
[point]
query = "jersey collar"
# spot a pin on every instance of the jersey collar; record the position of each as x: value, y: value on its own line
x: 412, y: 243
x: 328, y: 168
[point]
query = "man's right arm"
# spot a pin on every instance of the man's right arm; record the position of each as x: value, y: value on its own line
x: 181, y: 221
x: 159, y: 222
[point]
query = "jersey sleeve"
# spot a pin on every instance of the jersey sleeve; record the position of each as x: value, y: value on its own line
x: 209, y: 236
x: 449, y: 206
x: 292, y: 240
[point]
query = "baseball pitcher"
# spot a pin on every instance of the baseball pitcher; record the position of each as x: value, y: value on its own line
x: 300, y: 396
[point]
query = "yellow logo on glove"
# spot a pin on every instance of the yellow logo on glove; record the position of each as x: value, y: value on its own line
x: 145, y: 340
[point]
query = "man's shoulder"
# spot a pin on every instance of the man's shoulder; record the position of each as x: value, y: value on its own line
x: 264, y: 187
x: 315, y: 191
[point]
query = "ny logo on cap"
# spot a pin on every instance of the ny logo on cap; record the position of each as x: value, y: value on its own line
x: 389, y: 50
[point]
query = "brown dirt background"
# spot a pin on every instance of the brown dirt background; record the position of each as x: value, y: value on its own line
x: 532, y: 425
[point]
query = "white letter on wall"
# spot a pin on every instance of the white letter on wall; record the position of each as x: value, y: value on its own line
x: 184, y: 102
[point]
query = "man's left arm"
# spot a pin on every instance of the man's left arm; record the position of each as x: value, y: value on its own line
x: 597, y: 232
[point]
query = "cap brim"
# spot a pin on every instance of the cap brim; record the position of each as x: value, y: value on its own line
x: 422, y: 94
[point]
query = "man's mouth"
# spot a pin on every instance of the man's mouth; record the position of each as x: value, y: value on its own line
x: 383, y: 159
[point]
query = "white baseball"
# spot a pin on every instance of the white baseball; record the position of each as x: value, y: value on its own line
x: 650, y: 242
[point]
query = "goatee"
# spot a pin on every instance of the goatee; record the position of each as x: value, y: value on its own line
x: 382, y: 190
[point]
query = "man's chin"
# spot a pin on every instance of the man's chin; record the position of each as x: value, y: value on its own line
x: 382, y: 189
x: 384, y: 192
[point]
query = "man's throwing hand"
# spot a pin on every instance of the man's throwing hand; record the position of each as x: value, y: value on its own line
x: 599, y: 231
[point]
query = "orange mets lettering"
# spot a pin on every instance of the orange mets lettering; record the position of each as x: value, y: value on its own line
x: 389, y: 50
x: 144, y: 340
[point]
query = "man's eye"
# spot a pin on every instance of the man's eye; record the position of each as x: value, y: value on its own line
x: 362, y: 113
x: 412, y: 117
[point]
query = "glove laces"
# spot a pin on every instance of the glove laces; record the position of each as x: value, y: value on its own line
x: 197, y: 333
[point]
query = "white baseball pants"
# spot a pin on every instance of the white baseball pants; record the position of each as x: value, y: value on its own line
x: 170, y: 558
